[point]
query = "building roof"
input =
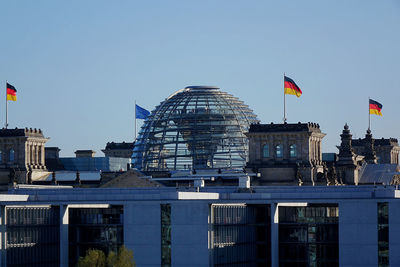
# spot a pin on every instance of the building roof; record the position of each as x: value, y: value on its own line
x: 85, y: 151
x: 131, y: 178
x: 52, y: 148
x: 198, y: 127
x: 21, y: 132
x: 307, y: 194
x: 379, y: 174
x: 285, y: 127
x: 123, y: 145
x: 377, y: 142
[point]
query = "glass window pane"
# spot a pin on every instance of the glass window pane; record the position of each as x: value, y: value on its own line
x: 11, y: 154
x: 279, y: 151
x: 293, y: 151
x: 266, y: 151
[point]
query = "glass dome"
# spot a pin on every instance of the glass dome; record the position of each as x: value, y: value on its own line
x: 198, y: 127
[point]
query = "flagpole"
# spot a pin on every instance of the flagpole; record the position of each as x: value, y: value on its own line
x: 369, y: 116
x: 135, y: 120
x: 284, y: 100
x: 6, y: 106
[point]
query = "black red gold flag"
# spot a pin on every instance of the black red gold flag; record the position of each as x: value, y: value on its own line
x: 291, y: 87
x: 11, y: 92
x: 375, y: 107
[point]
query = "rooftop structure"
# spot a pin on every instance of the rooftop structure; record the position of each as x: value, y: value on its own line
x: 387, y: 150
x: 22, y: 155
x: 85, y: 153
x: 118, y: 150
x: 286, y: 153
x: 198, y: 127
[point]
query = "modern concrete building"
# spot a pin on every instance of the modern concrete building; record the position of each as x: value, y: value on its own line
x: 216, y: 226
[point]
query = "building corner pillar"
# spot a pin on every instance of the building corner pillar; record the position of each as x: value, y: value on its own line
x: 64, y: 218
x: 274, y: 235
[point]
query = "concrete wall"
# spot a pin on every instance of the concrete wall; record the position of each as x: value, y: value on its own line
x: 394, y: 233
x: 358, y: 233
x: 189, y: 233
x: 142, y: 232
x: 277, y: 175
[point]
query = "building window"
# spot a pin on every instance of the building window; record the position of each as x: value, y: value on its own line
x: 266, y: 151
x: 240, y: 235
x: 293, y: 151
x: 12, y: 155
x: 94, y: 228
x: 33, y: 236
x: 279, y: 151
x: 383, y: 234
x: 309, y: 236
x: 165, y: 235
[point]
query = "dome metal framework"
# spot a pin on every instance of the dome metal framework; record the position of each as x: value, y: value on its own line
x: 198, y: 127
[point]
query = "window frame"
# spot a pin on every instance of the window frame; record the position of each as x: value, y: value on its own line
x: 279, y: 148
x: 294, y: 155
x: 265, y: 148
x: 11, y: 155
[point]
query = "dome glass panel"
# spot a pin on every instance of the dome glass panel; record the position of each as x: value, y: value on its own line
x: 198, y: 127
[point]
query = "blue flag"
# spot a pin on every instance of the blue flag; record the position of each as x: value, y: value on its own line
x: 141, y: 113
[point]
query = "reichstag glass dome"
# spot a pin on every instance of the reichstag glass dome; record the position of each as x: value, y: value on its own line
x: 198, y: 127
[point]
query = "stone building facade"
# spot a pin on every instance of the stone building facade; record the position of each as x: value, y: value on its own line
x: 348, y: 162
x: 285, y: 153
x: 22, y: 155
x: 367, y: 160
x: 386, y: 150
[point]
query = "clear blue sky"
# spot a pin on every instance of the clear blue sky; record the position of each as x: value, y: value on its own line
x: 79, y: 66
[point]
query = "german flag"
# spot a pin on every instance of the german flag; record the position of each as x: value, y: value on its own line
x: 291, y: 87
x: 11, y: 92
x: 375, y: 107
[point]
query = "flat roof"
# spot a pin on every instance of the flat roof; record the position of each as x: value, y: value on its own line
x: 325, y: 194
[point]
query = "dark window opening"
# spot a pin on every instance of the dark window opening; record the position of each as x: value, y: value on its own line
x: 309, y: 236
x: 165, y: 235
x: 240, y: 235
x: 383, y: 234
x: 94, y: 228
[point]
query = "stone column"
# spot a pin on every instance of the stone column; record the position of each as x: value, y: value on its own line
x: 31, y: 154
x: 311, y: 151
x: 315, y: 149
x: 36, y: 155
x: 42, y: 153
x: 274, y: 235
x: 319, y: 151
